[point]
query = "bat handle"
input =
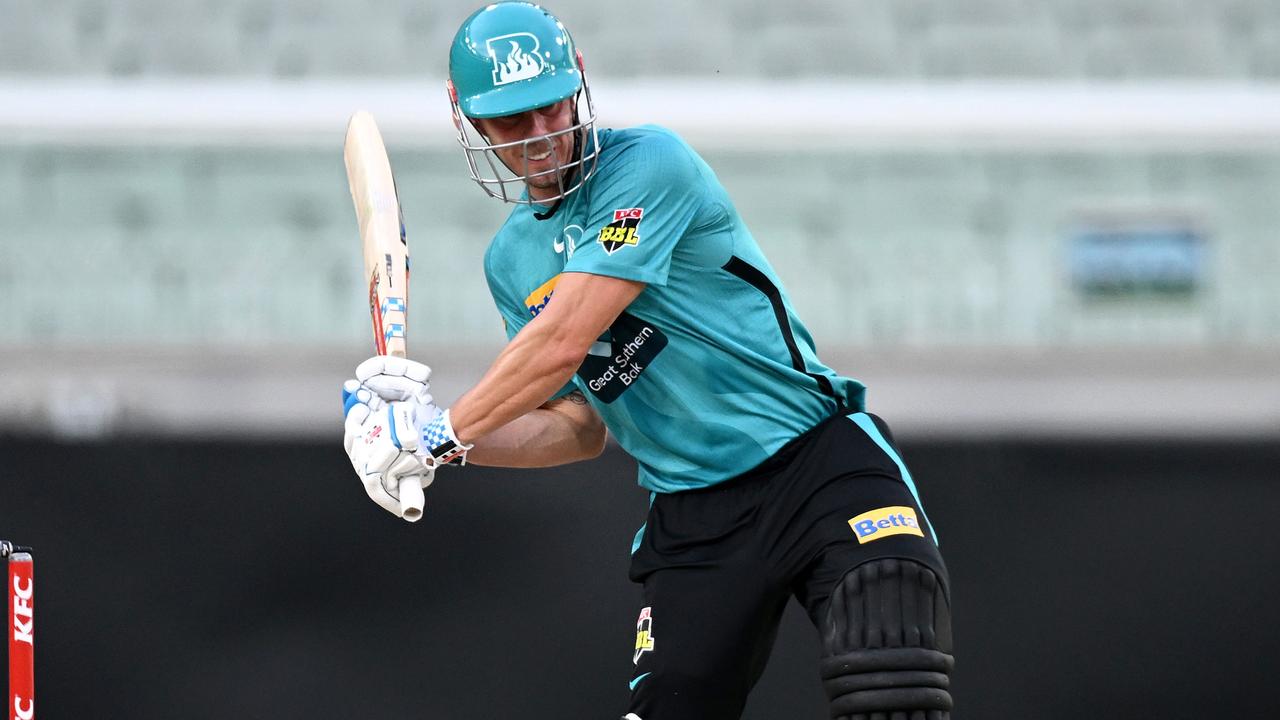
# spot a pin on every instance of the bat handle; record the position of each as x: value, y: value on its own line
x: 411, y: 498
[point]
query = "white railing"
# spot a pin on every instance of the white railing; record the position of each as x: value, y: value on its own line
x: 718, y: 114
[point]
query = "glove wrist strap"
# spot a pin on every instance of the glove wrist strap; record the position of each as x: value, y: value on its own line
x: 442, y: 444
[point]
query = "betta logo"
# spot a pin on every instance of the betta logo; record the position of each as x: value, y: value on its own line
x: 623, y: 231
x: 537, y: 300
x: 885, y: 521
x: 515, y: 57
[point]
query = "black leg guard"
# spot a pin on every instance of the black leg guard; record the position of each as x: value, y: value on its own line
x: 887, y: 641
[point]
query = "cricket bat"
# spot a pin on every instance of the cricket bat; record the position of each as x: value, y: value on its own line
x: 386, y: 254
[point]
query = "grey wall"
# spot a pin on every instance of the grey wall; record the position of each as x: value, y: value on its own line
x: 186, y: 580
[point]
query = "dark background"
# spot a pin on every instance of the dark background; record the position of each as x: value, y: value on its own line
x: 231, y: 580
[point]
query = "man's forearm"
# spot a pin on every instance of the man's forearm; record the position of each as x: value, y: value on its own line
x: 542, y: 357
x: 563, y: 431
x: 530, y: 369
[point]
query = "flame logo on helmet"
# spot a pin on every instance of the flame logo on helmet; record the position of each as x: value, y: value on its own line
x: 517, y: 63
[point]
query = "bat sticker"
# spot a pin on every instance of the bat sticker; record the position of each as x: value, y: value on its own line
x: 375, y: 313
x: 392, y: 304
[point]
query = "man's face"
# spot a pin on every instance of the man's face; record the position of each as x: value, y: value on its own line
x: 542, y: 156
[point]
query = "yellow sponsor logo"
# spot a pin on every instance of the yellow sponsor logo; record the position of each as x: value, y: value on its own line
x: 538, y: 299
x: 885, y: 521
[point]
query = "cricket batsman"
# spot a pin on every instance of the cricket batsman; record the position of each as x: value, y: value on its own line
x: 636, y: 300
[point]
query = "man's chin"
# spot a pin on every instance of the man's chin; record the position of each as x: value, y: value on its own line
x: 546, y: 182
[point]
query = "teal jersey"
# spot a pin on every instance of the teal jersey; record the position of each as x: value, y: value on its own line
x: 709, y: 371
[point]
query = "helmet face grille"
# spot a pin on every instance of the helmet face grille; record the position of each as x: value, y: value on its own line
x: 509, y: 184
x: 509, y: 58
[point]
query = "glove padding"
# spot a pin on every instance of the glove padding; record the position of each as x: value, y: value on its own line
x: 381, y: 439
x: 395, y: 379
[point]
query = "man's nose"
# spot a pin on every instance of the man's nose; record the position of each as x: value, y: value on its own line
x: 539, y: 125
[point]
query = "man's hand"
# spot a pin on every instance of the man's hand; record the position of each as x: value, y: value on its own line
x: 380, y: 440
x: 399, y: 381
x: 394, y: 378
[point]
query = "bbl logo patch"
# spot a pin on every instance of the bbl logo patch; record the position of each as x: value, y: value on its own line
x: 885, y: 521
x: 623, y: 231
x: 644, y: 635
x: 515, y: 57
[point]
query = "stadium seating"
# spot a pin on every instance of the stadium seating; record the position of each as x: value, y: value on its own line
x: 887, y: 39
x: 249, y: 245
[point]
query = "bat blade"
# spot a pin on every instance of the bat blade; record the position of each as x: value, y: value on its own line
x: 385, y: 249
x: 384, y: 245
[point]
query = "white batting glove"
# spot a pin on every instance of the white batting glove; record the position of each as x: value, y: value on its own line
x: 395, y: 378
x: 381, y: 439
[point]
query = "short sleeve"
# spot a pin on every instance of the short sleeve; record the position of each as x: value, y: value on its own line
x: 639, y: 210
x: 512, y: 324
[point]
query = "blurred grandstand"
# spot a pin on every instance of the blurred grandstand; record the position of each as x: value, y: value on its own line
x: 1004, y: 215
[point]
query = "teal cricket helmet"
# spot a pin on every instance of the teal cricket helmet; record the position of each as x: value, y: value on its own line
x: 509, y: 58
